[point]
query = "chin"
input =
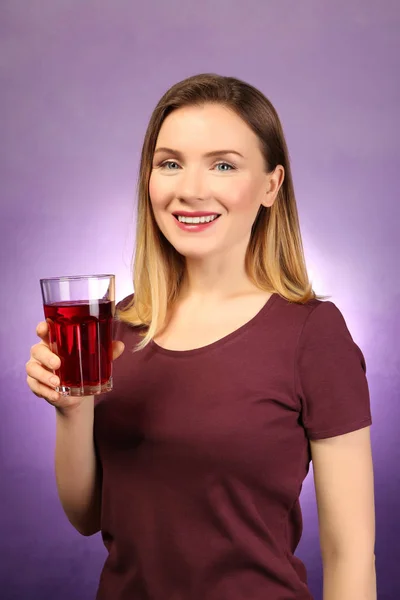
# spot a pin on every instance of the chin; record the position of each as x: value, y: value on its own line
x: 194, y: 251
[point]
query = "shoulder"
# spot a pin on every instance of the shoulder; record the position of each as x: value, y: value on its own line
x: 122, y: 315
x: 324, y: 316
x: 309, y: 315
x: 125, y: 302
x: 312, y: 325
x: 324, y: 334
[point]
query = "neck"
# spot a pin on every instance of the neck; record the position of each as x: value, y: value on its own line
x: 217, y: 278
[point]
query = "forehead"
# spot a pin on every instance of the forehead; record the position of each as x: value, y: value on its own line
x: 207, y: 125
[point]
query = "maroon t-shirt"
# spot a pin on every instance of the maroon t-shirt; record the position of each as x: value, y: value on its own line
x: 204, y: 453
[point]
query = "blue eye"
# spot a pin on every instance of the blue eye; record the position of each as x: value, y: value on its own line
x: 168, y: 163
x: 225, y: 164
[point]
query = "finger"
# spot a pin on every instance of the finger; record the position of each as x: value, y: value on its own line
x: 42, y: 353
x: 36, y: 371
x: 118, y: 348
x: 43, y: 391
x: 42, y: 331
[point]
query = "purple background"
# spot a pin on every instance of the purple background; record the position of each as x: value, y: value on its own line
x: 78, y: 82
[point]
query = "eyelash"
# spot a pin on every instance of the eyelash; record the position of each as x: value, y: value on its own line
x: 223, y: 162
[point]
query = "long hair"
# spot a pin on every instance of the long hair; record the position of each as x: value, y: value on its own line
x: 274, y: 257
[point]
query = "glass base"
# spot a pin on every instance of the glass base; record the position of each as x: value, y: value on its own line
x: 85, y: 390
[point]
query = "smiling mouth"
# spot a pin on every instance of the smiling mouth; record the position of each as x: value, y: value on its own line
x: 196, y: 220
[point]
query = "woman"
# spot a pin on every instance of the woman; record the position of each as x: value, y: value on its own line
x: 236, y: 375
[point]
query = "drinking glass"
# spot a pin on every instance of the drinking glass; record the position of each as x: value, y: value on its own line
x: 79, y: 311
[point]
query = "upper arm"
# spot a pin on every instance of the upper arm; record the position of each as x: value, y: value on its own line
x: 344, y: 486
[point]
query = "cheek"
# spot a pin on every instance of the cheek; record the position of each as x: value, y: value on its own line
x: 154, y: 192
x: 160, y: 191
x: 241, y: 197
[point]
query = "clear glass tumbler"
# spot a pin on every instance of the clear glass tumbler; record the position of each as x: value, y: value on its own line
x: 79, y: 311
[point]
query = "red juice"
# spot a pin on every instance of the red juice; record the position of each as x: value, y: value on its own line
x: 81, y: 336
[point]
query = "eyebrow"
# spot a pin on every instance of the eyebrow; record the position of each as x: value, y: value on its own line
x: 207, y: 154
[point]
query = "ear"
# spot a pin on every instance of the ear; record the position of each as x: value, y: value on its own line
x: 274, y: 182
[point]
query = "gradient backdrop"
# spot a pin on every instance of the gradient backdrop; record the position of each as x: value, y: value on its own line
x: 78, y: 82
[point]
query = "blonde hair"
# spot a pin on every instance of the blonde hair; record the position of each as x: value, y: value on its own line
x: 274, y: 258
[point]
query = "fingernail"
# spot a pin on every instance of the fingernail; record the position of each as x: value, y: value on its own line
x: 54, y: 380
x: 53, y: 362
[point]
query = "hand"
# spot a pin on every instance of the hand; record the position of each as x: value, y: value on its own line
x: 39, y: 368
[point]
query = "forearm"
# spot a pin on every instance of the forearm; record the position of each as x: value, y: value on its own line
x: 77, y: 474
x: 349, y: 578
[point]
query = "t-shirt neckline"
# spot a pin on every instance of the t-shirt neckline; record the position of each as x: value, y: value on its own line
x: 226, y: 338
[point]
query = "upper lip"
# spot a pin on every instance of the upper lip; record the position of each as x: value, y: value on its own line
x: 183, y: 213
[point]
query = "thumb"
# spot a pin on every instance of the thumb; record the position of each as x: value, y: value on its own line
x: 118, y: 348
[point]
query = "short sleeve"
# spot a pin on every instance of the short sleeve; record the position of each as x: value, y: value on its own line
x: 330, y: 376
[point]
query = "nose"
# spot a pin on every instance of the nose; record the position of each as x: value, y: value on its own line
x: 191, y: 185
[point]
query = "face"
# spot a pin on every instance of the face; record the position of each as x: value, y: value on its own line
x: 208, y: 181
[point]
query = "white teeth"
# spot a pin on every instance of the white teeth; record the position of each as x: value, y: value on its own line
x: 196, y: 219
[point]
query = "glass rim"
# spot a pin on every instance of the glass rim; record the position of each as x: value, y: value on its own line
x: 74, y: 277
